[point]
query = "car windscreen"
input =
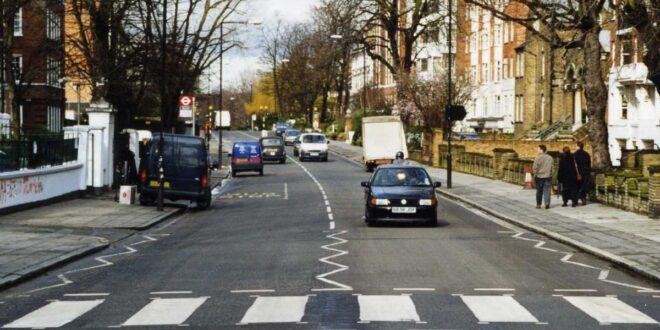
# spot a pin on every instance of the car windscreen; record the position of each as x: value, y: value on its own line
x: 292, y: 133
x: 390, y: 177
x: 313, y: 139
x: 271, y: 142
x: 246, y: 150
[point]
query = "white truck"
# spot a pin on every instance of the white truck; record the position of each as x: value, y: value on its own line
x: 382, y: 138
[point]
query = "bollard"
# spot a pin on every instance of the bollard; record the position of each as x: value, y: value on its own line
x: 528, y: 178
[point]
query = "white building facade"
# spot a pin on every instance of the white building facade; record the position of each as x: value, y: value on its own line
x: 633, y: 103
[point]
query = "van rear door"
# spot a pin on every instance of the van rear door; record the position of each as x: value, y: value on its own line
x: 190, y: 158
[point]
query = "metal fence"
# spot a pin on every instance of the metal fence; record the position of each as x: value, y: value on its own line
x: 16, y: 155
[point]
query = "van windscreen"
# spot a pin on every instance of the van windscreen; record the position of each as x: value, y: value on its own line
x: 246, y: 150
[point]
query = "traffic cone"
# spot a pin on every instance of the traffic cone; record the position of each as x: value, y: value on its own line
x: 528, y: 178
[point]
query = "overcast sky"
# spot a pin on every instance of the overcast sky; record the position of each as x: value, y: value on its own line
x: 237, y: 61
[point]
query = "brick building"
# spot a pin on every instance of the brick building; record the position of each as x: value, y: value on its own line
x: 38, y: 64
x: 78, y: 92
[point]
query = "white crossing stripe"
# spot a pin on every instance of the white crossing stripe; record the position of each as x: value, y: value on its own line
x: 609, y: 310
x: 498, y: 309
x: 166, y: 311
x: 276, y: 310
x: 399, y: 308
x: 55, y: 314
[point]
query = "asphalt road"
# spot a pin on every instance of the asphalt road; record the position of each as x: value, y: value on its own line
x: 290, y: 250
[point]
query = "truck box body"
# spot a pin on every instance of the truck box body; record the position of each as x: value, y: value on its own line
x: 382, y: 138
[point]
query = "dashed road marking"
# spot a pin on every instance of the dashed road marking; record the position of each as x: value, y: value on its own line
x: 498, y: 309
x: 170, y: 311
x: 170, y: 292
x: 494, y: 289
x: 387, y: 308
x: 55, y: 314
x: 576, y: 290
x: 413, y: 289
x: 86, y: 294
x: 253, y: 291
x: 609, y: 310
x: 276, y: 310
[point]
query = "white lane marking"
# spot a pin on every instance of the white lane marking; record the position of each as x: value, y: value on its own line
x: 329, y: 209
x: 276, y: 310
x: 604, y: 273
x: 340, y: 267
x: 327, y: 202
x: 286, y: 191
x: 86, y: 294
x: 169, y: 311
x: 253, y: 291
x: 494, y: 289
x: 55, y: 314
x: 608, y: 310
x: 413, y: 289
x: 498, y: 309
x: 648, y: 291
x: 330, y: 216
x: 387, y: 308
x: 171, y: 292
x: 576, y: 290
x: 148, y: 239
x: 332, y: 225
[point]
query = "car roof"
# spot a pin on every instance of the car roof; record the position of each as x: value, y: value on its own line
x: 246, y: 142
x: 270, y: 137
x: 388, y: 166
x: 313, y: 134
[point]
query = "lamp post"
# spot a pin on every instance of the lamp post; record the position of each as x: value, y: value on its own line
x: 163, y: 108
x: 449, y: 100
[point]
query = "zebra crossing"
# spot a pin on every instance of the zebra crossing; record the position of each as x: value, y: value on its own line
x: 403, y: 308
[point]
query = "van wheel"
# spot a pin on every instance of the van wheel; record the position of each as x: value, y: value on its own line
x: 261, y: 172
x: 283, y: 161
x: 204, y: 203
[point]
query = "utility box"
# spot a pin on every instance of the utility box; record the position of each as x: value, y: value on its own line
x: 127, y: 194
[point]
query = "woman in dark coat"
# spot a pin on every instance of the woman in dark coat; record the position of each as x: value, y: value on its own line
x: 567, y: 177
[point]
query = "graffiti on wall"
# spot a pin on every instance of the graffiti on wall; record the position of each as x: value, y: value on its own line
x: 20, y: 187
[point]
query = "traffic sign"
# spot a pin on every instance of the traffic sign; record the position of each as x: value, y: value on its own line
x: 186, y: 103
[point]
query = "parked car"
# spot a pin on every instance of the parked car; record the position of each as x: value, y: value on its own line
x: 246, y: 157
x: 186, y: 170
x: 273, y: 149
x: 313, y: 146
x: 400, y: 193
x: 290, y: 136
x: 281, y: 127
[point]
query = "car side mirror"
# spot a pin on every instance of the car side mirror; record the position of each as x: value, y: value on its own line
x: 365, y: 184
x: 437, y: 184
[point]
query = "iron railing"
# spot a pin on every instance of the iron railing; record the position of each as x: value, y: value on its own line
x: 16, y: 155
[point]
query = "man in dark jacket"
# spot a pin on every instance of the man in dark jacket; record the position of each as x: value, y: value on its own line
x: 567, y: 177
x: 583, y: 161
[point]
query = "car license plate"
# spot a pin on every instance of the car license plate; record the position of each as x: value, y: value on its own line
x: 272, y: 153
x: 313, y: 153
x: 404, y: 210
x: 241, y: 160
x: 154, y: 184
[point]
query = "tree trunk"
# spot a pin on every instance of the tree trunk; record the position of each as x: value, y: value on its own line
x: 596, y: 93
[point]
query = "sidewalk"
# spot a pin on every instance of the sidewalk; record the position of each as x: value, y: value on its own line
x: 624, y: 238
x: 36, y: 240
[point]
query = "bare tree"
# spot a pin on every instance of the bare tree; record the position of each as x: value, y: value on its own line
x: 557, y: 17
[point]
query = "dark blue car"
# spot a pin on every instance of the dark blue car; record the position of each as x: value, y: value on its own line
x: 186, y: 170
x: 246, y: 157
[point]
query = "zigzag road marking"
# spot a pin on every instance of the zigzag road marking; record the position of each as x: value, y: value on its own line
x: 340, y: 267
x: 103, y: 262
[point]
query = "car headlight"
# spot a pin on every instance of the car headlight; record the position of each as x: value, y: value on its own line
x: 380, y: 201
x: 428, y: 202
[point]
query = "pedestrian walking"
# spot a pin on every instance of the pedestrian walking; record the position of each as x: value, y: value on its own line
x: 583, y: 161
x: 542, y: 171
x: 568, y: 176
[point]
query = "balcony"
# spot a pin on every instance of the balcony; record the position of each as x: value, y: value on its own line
x: 631, y: 74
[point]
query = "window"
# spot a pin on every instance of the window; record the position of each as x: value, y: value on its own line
x: 624, y: 106
x: 433, y: 35
x: 485, y: 106
x: 542, y: 107
x: 511, y: 32
x: 626, y: 49
x: 484, y: 72
x: 518, y: 109
x: 498, y: 34
x: 54, y: 119
x: 424, y: 65
x: 484, y: 39
x: 498, y: 73
x: 54, y: 22
x: 520, y: 64
x: 438, y: 64
x: 54, y: 67
x: 542, y: 63
x: 473, y: 73
x: 473, y: 42
x: 498, y: 109
x: 18, y: 23
x: 17, y: 66
x: 505, y: 69
x: 506, y: 32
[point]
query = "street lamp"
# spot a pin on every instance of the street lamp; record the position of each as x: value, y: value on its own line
x: 222, y: 51
x: 163, y: 108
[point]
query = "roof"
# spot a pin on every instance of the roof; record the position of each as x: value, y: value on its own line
x: 400, y: 166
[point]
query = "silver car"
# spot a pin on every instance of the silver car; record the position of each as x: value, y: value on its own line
x: 290, y: 136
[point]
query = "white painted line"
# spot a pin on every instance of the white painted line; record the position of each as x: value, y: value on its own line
x: 170, y: 311
x: 330, y: 216
x: 609, y: 310
x: 576, y: 290
x: 86, y: 294
x: 498, y: 309
x: 648, y: 291
x: 327, y: 202
x: 253, y: 291
x: 276, y: 310
x: 286, y: 191
x: 494, y: 289
x: 55, y: 314
x: 171, y: 292
x: 397, y: 308
x: 329, y: 209
x: 414, y: 289
x: 332, y: 225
